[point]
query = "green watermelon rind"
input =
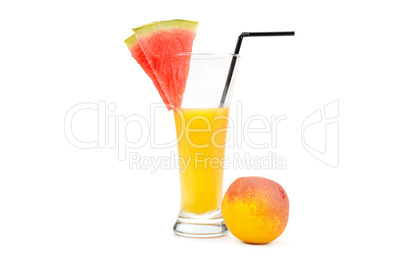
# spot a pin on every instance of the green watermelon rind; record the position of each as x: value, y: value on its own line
x: 131, y: 41
x: 165, y: 25
x: 158, y: 25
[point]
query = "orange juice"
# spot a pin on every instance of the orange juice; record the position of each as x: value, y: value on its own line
x: 201, y: 138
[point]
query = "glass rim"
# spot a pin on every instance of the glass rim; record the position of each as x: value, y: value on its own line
x: 208, y: 55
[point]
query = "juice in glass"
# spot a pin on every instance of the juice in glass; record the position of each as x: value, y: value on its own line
x: 201, y: 137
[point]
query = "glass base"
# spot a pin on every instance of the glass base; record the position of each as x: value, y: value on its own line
x: 210, y: 224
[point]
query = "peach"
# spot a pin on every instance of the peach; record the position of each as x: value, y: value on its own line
x: 255, y: 209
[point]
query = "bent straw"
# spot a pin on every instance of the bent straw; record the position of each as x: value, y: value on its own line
x: 237, y: 50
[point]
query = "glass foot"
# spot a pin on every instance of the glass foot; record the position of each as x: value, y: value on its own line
x: 210, y: 224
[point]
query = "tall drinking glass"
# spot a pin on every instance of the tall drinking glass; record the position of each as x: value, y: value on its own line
x: 201, y: 127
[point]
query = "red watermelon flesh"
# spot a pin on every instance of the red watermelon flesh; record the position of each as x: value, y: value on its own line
x: 160, y: 43
x: 139, y: 56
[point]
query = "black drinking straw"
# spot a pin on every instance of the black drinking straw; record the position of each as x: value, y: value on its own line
x: 237, y: 50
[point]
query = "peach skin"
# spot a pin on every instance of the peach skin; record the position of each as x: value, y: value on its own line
x: 255, y: 209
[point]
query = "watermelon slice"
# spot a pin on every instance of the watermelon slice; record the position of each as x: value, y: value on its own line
x: 139, y: 56
x: 155, y: 47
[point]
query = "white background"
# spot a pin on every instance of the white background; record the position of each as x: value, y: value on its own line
x: 61, y: 206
